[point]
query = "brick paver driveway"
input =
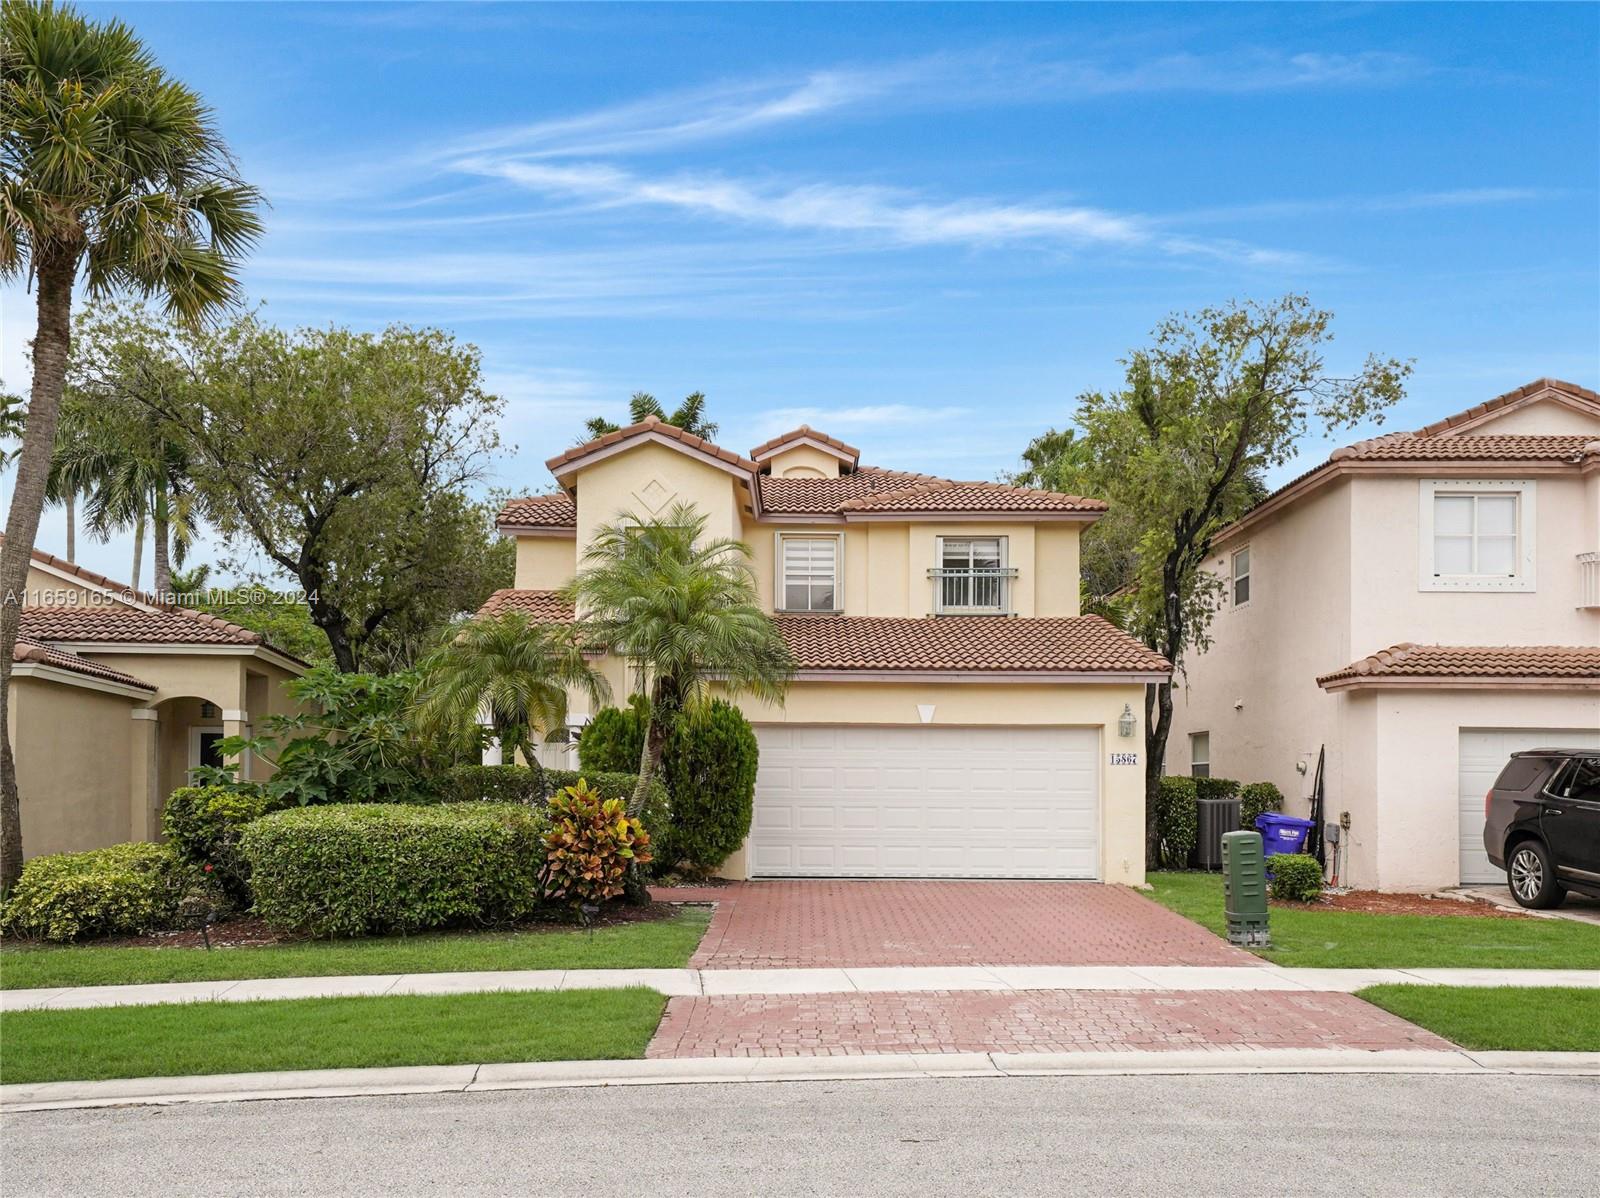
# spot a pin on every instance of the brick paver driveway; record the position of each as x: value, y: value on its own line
x: 821, y: 924
x: 1026, y: 1021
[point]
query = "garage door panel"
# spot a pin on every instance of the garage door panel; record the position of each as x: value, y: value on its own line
x: 1482, y: 754
x: 926, y: 802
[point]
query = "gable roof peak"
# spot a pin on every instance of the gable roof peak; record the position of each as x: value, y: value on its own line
x: 1569, y: 395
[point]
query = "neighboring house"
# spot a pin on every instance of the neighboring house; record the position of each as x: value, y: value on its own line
x: 1421, y: 605
x: 116, y: 697
x: 953, y: 714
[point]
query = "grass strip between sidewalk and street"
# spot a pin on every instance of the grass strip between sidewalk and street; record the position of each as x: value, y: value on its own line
x: 1324, y: 939
x: 657, y: 944
x: 176, y: 1039
x: 1499, y: 1018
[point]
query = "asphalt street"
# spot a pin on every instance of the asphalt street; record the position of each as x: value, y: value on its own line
x: 1258, y: 1135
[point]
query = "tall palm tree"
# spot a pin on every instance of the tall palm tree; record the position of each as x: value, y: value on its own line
x: 690, y: 416
x: 111, y: 169
x: 507, y: 672
x: 683, y: 610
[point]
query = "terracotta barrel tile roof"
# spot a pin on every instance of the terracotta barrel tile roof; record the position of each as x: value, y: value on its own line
x: 1505, y: 447
x: 805, y: 430
x: 543, y: 606
x: 825, y: 496
x: 651, y: 425
x: 36, y: 652
x: 167, y: 626
x: 551, y: 511
x: 1408, y: 660
x: 1572, y: 390
x: 943, y: 495
x: 957, y: 643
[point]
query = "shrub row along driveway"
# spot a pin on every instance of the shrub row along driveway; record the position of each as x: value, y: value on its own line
x: 822, y: 924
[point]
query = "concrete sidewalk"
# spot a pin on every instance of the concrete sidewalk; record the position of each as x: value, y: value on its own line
x: 696, y: 983
x: 436, y: 1079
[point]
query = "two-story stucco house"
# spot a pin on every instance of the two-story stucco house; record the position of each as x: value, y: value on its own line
x: 953, y: 715
x: 1420, y: 606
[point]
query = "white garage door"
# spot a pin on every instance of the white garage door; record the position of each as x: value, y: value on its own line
x: 1484, y: 752
x: 926, y: 801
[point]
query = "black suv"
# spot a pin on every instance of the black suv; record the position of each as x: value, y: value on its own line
x: 1541, y: 824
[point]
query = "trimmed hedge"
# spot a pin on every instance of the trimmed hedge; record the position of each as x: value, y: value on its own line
x: 357, y: 869
x: 203, y: 824
x: 1177, y: 820
x: 1257, y: 798
x: 1296, y: 877
x: 613, y: 740
x: 122, y: 890
x: 493, y: 784
x: 709, y: 768
x: 1215, y: 788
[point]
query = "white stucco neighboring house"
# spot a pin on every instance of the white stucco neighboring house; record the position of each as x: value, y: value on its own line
x: 1420, y: 606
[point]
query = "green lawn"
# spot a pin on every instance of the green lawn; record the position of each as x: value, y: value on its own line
x: 660, y: 944
x: 327, y: 1033
x: 1510, y: 1018
x: 1355, y: 940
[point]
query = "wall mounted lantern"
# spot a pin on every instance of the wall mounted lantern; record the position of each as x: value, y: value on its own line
x: 1125, y: 722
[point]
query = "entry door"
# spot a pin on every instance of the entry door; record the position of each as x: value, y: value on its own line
x: 836, y: 800
x: 1483, y: 754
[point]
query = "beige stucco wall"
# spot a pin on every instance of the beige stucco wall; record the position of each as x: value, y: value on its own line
x: 647, y: 480
x: 72, y: 747
x: 545, y: 563
x: 977, y: 703
x: 1546, y: 419
x: 1401, y: 750
x: 803, y: 461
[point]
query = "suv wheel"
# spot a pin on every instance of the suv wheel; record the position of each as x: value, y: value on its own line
x: 1533, y: 881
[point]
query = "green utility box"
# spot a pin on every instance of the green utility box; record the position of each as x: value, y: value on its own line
x: 1244, y: 888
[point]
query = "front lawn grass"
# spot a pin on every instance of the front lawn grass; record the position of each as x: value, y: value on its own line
x: 1303, y: 936
x: 658, y: 944
x: 176, y: 1039
x: 1506, y: 1018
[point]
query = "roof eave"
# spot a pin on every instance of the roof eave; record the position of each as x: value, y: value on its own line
x: 1460, y: 682
x: 1087, y: 677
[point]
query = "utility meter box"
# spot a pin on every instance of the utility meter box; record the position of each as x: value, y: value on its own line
x: 1244, y: 888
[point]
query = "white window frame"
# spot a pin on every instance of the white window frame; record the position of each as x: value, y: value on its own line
x: 780, y: 591
x: 1234, y: 576
x: 1003, y: 555
x: 1527, y: 493
x: 1195, y: 762
x: 195, y: 731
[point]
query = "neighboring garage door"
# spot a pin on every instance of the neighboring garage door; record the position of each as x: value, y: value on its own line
x: 926, y: 802
x: 1483, y: 754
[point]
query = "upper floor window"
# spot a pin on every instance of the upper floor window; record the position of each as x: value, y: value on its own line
x: 808, y: 573
x: 1241, y: 577
x: 971, y: 576
x: 1477, y: 535
x: 1199, y: 754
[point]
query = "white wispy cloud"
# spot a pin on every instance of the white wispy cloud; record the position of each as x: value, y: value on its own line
x: 1408, y: 201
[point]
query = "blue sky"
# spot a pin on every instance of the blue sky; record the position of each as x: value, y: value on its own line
x: 924, y: 229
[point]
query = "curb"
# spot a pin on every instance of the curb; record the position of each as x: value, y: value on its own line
x: 472, y: 1079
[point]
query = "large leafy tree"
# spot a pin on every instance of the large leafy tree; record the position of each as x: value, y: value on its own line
x: 683, y: 610
x: 1219, y: 397
x: 690, y: 416
x: 507, y: 673
x: 114, y: 172
x: 347, y: 461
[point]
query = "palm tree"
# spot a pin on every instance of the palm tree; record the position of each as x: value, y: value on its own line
x: 507, y: 672
x: 684, y: 611
x: 690, y: 416
x: 110, y: 168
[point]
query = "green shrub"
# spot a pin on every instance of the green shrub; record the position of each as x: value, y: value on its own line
x: 590, y: 846
x: 123, y: 890
x: 613, y: 740
x: 656, y: 815
x: 203, y: 825
x: 1177, y: 821
x: 492, y: 784
x: 1257, y: 798
x: 351, y: 870
x: 1215, y: 788
x: 1296, y: 877
x: 709, y: 768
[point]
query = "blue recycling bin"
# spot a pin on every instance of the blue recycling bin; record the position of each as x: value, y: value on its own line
x: 1282, y: 833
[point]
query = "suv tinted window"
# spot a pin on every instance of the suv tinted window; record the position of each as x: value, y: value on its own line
x: 1583, y: 780
x: 1523, y: 772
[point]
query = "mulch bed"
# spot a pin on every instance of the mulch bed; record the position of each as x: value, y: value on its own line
x: 246, y: 931
x: 1374, y: 903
